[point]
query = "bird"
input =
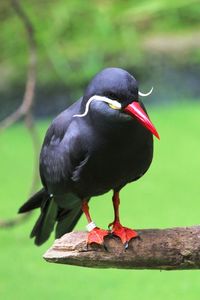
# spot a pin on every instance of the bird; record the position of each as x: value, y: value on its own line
x: 102, y: 142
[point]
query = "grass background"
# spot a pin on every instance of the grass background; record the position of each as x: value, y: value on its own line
x: 168, y: 195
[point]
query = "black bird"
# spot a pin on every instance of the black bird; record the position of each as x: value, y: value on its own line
x: 102, y: 142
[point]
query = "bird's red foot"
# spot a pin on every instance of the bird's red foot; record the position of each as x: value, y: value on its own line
x: 124, y: 233
x: 96, y: 236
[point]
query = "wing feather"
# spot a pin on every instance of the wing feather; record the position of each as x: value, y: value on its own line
x: 62, y: 151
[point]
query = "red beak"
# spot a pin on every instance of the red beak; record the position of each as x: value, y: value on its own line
x: 135, y: 110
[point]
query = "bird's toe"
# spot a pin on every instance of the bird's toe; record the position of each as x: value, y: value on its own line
x: 96, y: 236
x: 124, y: 233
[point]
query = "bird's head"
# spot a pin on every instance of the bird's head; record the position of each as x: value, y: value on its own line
x: 114, y: 93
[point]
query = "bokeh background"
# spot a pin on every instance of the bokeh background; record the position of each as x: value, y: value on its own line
x: 158, y: 41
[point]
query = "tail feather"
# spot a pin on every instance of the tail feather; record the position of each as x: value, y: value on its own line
x: 51, y: 212
x: 67, y: 220
x: 34, y: 202
x: 45, y: 223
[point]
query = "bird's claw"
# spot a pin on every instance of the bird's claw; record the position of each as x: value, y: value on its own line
x: 110, y: 225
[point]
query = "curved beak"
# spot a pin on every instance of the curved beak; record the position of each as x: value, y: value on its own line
x: 135, y: 110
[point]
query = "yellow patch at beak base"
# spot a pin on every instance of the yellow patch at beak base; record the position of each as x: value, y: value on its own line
x: 113, y: 106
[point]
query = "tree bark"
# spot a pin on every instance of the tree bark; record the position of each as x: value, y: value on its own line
x: 163, y: 249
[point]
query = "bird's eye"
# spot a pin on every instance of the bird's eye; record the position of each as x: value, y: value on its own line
x: 111, y: 96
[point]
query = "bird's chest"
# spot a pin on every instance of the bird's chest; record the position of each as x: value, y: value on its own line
x: 120, y: 158
x: 114, y: 161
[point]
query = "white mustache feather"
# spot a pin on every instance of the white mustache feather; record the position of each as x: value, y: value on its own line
x: 98, y: 98
x: 147, y: 94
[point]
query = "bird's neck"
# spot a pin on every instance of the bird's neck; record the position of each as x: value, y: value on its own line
x: 113, y: 127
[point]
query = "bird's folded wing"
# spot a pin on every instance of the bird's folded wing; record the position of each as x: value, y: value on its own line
x: 62, y: 151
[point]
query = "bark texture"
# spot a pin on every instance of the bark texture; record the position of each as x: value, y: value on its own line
x: 163, y: 249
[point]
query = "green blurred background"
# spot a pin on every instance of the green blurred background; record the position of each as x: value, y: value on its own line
x: 159, y: 43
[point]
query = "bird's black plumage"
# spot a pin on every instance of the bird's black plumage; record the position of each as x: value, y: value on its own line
x: 82, y: 157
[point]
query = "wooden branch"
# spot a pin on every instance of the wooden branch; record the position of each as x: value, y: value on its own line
x: 28, y: 97
x: 163, y: 249
x: 30, y: 124
x: 24, y: 111
x: 14, y: 221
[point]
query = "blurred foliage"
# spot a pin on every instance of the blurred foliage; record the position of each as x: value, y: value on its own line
x: 78, y: 38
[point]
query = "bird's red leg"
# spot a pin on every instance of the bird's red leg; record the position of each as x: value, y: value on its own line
x: 124, y: 233
x: 95, y: 234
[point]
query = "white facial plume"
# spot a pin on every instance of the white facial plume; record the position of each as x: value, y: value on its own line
x: 113, y: 103
x: 147, y: 94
